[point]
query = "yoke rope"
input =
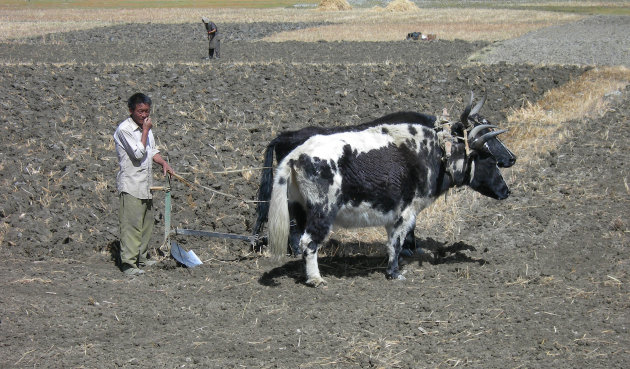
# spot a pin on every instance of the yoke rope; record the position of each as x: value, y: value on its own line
x: 190, y: 184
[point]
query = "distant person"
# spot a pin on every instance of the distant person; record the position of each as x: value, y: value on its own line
x: 136, y: 150
x: 214, y: 39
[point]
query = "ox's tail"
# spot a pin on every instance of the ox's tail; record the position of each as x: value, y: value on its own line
x: 279, y: 211
x: 264, y: 190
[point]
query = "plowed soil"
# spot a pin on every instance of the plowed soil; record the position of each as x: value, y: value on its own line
x: 537, y: 280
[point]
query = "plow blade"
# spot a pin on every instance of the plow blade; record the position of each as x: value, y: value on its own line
x: 188, y: 258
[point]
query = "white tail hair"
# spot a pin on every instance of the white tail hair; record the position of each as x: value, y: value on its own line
x: 279, y: 211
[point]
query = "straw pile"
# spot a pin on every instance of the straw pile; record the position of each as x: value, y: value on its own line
x: 334, y: 5
x: 401, y: 6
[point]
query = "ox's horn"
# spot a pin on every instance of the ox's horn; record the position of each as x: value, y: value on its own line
x: 479, y: 105
x: 477, y: 129
x: 477, y: 144
x: 464, y: 117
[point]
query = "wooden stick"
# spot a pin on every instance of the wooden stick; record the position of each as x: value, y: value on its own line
x: 182, y: 179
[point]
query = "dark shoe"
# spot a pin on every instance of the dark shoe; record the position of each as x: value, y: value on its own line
x: 133, y: 271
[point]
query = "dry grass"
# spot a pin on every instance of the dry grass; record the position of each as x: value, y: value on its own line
x: 354, y: 25
x: 333, y: 5
x: 37, y: 22
x: 538, y: 127
x: 401, y: 6
x: 448, y: 24
x: 31, y: 280
x: 4, y: 228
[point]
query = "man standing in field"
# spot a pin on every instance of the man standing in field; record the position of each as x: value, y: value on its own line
x: 214, y: 39
x: 136, y: 150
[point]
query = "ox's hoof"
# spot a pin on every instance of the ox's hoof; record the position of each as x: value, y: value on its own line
x: 397, y: 276
x: 412, y: 252
x: 316, y: 282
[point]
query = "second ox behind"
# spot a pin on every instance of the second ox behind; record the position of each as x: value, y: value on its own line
x: 382, y: 175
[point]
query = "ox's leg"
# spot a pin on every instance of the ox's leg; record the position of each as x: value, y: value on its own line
x: 309, y: 253
x: 318, y: 225
x: 409, y: 247
x: 409, y: 244
x: 397, y: 234
x: 298, y: 219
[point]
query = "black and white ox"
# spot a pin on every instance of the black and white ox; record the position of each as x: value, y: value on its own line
x: 383, y: 175
x: 284, y: 143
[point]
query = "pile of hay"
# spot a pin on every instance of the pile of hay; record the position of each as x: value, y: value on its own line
x: 401, y: 6
x: 334, y: 5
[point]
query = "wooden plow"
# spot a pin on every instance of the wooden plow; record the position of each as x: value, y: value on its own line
x: 183, y: 256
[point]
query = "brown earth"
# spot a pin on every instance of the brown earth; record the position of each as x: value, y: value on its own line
x: 537, y: 280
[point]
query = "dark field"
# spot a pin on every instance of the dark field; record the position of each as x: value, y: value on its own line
x: 537, y: 280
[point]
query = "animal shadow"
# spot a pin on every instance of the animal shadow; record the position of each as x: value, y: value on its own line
x: 337, y: 266
x: 362, y: 265
x: 444, y: 253
x: 293, y: 269
x: 341, y: 260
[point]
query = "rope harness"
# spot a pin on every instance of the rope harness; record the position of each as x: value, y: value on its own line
x: 445, y: 140
x: 442, y: 127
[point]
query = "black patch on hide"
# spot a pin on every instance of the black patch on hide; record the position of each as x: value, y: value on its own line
x: 385, y: 178
x: 411, y: 143
x: 320, y: 216
x: 318, y: 171
x: 320, y: 220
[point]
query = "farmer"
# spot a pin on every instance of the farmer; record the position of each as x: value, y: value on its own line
x: 136, y: 149
x: 214, y: 39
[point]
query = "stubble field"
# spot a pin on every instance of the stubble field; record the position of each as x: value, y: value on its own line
x: 537, y: 280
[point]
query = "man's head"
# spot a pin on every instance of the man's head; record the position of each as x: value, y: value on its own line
x: 139, y: 107
x: 205, y: 19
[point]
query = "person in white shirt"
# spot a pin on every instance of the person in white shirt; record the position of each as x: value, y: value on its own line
x: 136, y: 149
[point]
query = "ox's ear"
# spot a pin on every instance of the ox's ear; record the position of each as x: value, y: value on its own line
x: 458, y: 130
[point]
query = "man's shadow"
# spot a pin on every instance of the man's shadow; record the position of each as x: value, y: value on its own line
x: 342, y: 266
x: 114, y: 252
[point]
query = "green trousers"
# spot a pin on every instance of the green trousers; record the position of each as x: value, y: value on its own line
x: 136, y: 225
